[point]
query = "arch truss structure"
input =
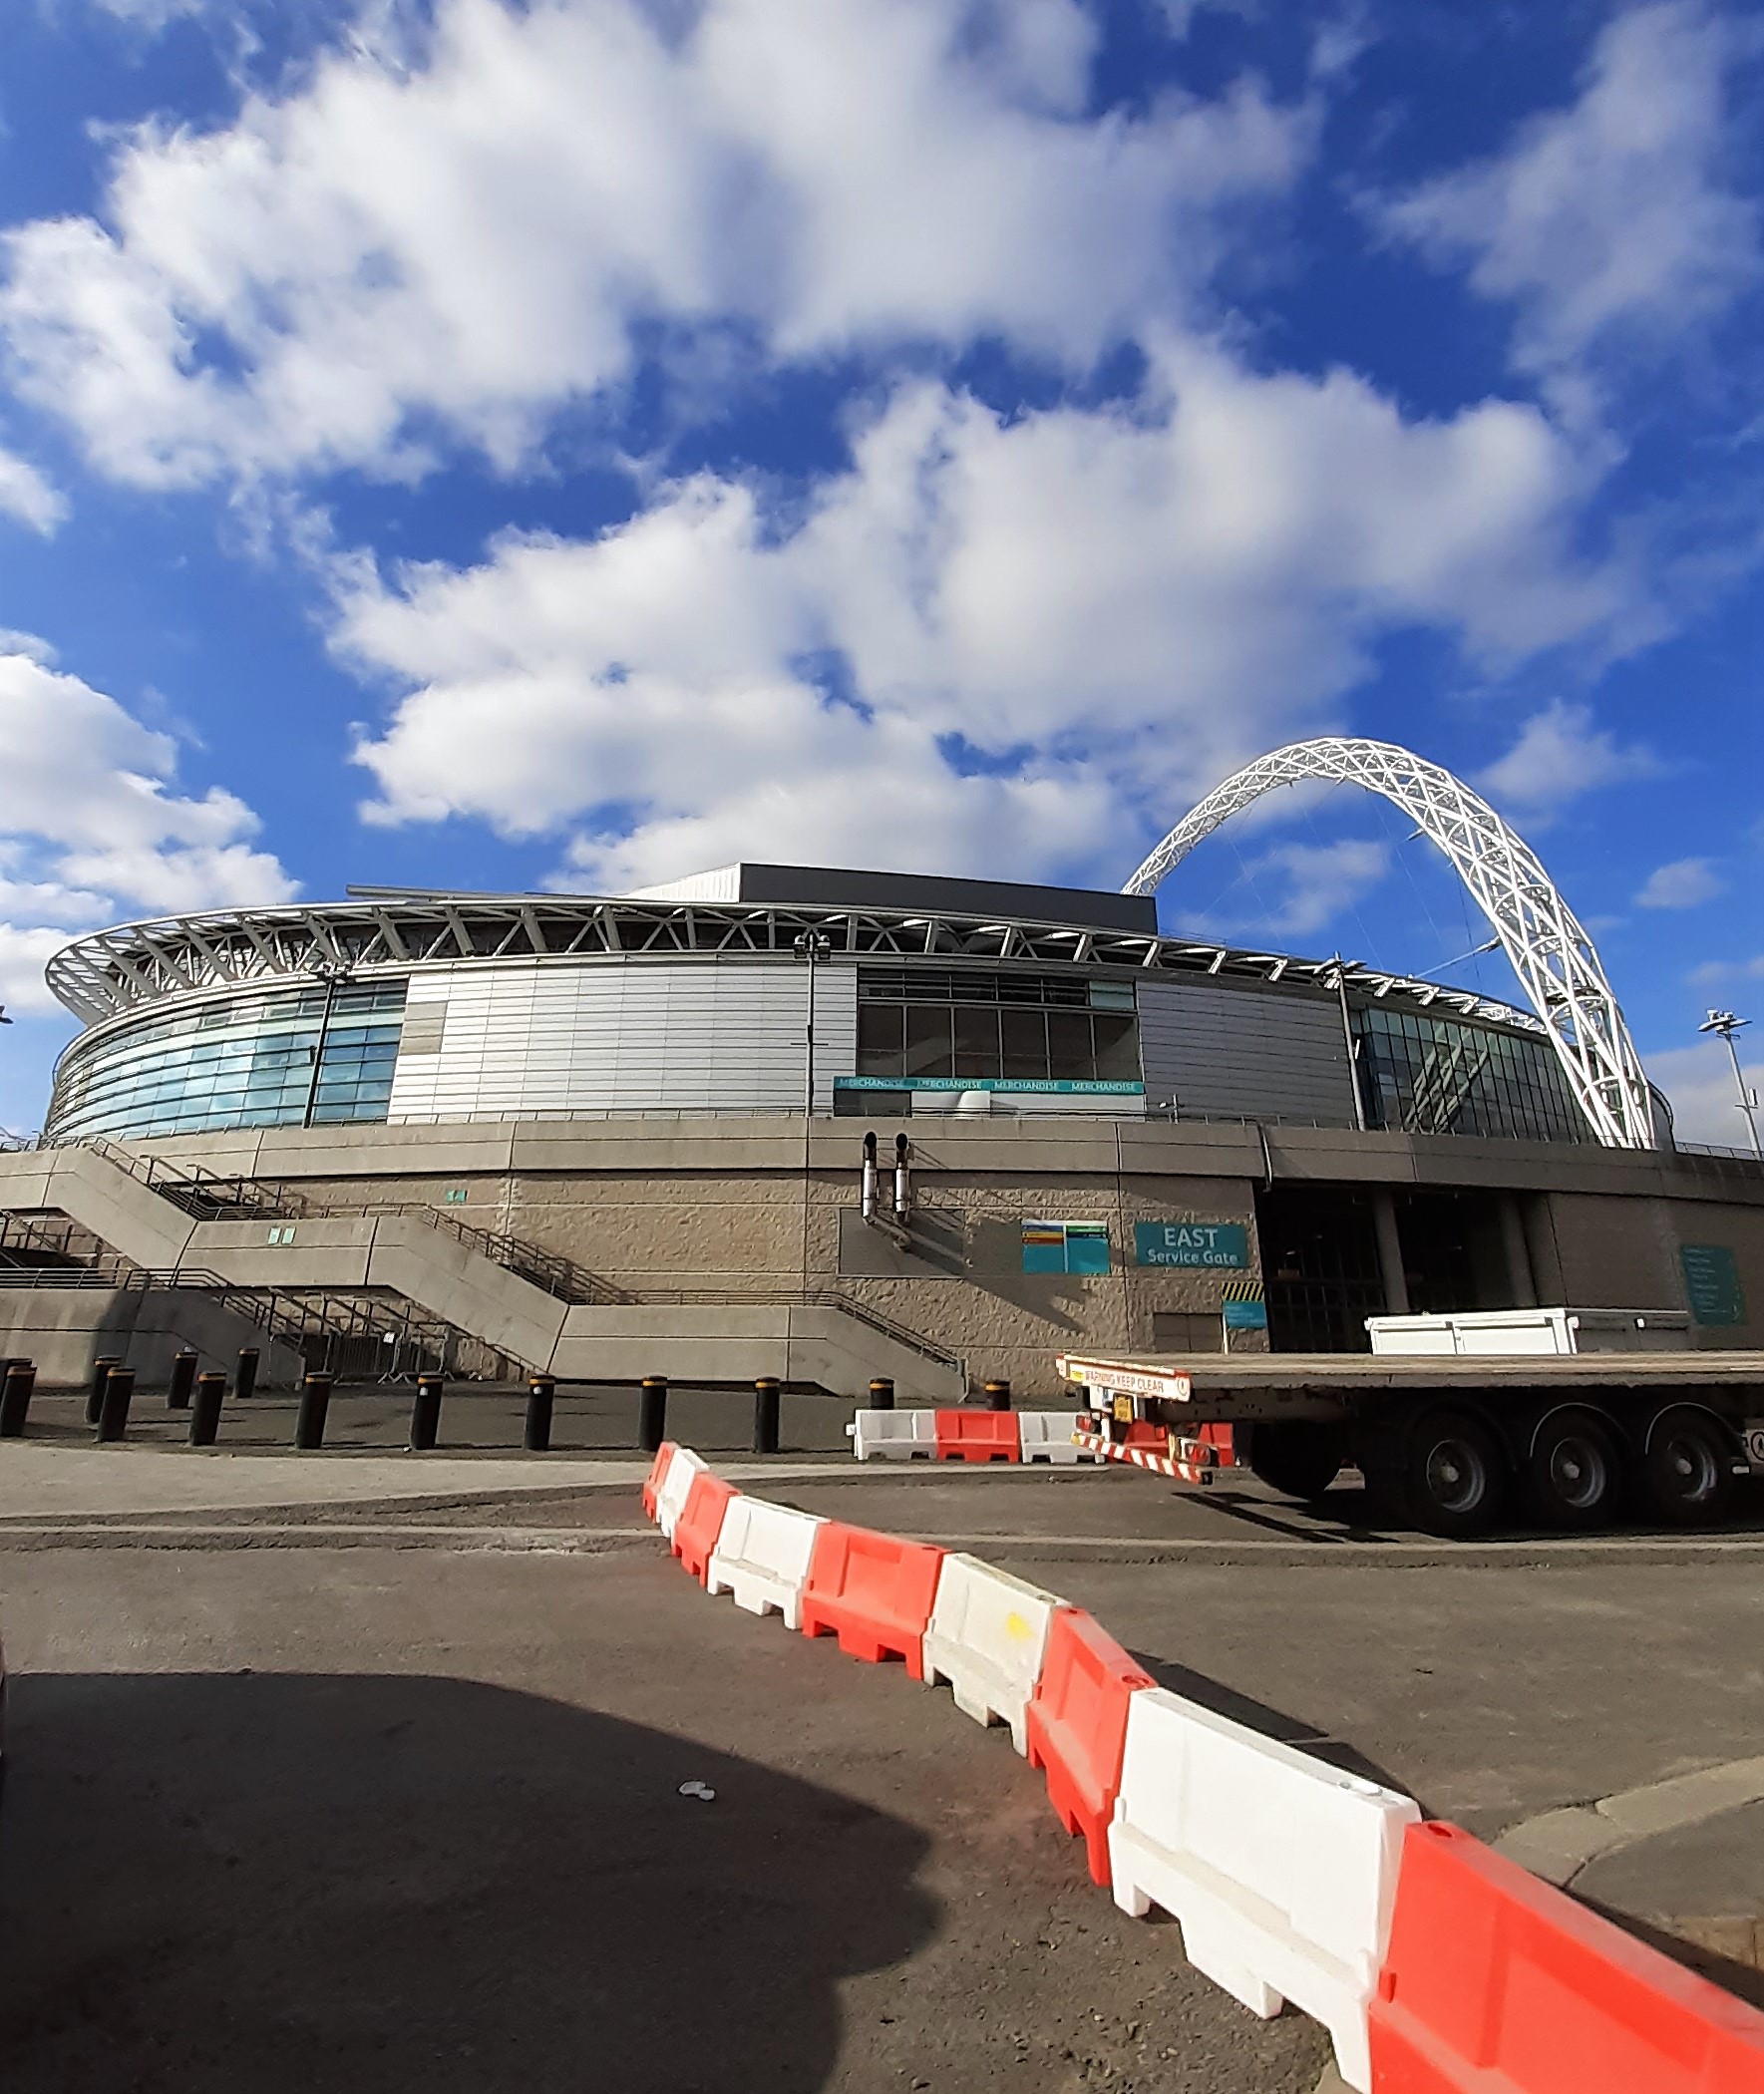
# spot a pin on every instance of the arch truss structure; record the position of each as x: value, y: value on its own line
x: 1551, y: 953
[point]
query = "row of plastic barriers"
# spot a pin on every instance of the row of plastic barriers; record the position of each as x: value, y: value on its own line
x: 967, y: 1436
x: 1437, y: 1966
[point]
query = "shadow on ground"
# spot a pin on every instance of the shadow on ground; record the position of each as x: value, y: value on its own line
x: 428, y: 1884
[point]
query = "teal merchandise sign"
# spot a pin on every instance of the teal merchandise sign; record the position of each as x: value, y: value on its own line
x: 1244, y: 1315
x: 1217, y: 1244
x: 987, y: 1083
x: 1066, y: 1246
x: 1711, y: 1281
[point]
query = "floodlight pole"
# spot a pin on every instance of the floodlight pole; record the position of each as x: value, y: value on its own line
x: 813, y: 946
x: 1725, y: 1024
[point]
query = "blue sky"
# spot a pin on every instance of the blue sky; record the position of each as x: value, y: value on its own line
x: 571, y: 444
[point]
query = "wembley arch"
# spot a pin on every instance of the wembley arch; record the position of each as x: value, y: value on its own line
x: 1551, y: 953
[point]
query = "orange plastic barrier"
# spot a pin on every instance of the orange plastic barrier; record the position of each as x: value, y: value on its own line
x: 701, y: 1521
x: 1077, y: 1727
x: 977, y: 1435
x: 872, y: 1592
x: 652, y: 1482
x: 1496, y: 1983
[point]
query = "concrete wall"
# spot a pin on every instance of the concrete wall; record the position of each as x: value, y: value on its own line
x: 663, y: 1207
x: 64, y: 1329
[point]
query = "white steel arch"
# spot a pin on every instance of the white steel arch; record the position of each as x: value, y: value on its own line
x: 1551, y: 953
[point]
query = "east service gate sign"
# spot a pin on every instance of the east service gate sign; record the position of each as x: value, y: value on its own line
x: 1222, y: 1244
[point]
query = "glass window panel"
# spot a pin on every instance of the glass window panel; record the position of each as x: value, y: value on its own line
x: 1069, y: 1054
x: 882, y: 1038
x: 1117, y: 1046
x: 930, y: 1041
x: 1023, y: 1038
x: 976, y: 1041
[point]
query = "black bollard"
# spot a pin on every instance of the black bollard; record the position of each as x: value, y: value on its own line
x: 881, y: 1394
x: 652, y: 1413
x: 541, y: 1394
x: 245, y: 1382
x: 426, y: 1412
x: 766, y: 1414
x: 15, y: 1398
x: 112, y: 1410
x: 100, y: 1368
x: 183, y: 1379
x: 315, y: 1405
x: 204, y: 1414
x: 997, y: 1395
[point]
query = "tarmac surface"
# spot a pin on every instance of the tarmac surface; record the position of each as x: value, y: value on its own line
x: 362, y: 1770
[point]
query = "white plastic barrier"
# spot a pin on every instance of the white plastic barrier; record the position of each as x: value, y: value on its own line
x: 894, y: 1435
x: 1280, y: 1868
x: 762, y: 1557
x: 670, y: 1495
x: 1047, y: 1437
x: 987, y: 1636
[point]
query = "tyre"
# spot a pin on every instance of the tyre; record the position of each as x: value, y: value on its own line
x: 1300, y: 1460
x: 1688, y: 1471
x: 1574, y: 1473
x: 1454, y: 1475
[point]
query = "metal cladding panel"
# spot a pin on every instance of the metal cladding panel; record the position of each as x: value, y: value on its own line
x: 1256, y: 1054
x: 655, y: 1036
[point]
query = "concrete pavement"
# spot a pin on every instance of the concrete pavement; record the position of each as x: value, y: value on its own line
x: 281, y: 1777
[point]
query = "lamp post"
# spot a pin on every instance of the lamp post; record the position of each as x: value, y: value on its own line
x: 813, y: 946
x: 1725, y: 1026
x: 335, y: 976
x: 1349, y: 1040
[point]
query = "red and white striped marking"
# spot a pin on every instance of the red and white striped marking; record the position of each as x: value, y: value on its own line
x: 1196, y: 1461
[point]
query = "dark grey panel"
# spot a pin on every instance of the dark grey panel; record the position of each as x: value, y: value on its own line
x: 983, y: 897
x: 1255, y: 1054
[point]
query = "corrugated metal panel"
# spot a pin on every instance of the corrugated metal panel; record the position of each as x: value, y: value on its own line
x: 1258, y: 1054
x: 682, y: 1036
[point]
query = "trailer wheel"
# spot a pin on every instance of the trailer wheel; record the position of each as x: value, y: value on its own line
x: 1687, y: 1473
x: 1300, y: 1460
x: 1575, y: 1473
x: 1454, y: 1479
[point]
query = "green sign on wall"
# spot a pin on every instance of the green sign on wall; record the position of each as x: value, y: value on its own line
x: 1711, y: 1281
x: 1066, y: 1246
x: 1219, y: 1243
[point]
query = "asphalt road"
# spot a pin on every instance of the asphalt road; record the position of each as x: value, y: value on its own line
x: 384, y: 1795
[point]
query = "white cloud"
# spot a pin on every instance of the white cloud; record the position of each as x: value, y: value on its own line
x: 1614, y: 216
x: 466, y: 235
x: 1558, y: 756
x: 89, y: 825
x: 1077, y: 611
x: 1714, y: 973
x: 27, y: 498
x: 1685, y: 883
x: 1321, y: 882
x: 1699, y: 1081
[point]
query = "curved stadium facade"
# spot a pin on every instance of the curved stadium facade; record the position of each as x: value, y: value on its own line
x: 584, y: 1134
x: 929, y: 996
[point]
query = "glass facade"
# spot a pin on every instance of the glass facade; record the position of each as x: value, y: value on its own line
x: 302, y: 1057
x: 1022, y: 1027
x: 1428, y: 1075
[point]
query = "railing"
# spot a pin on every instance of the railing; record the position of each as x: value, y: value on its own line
x: 209, y: 1196
x: 557, y: 1274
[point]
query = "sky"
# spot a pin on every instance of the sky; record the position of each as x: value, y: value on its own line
x: 574, y: 444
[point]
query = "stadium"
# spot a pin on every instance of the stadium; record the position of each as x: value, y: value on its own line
x: 603, y: 1136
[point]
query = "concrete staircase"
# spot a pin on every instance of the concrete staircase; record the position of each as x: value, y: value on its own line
x: 514, y: 1297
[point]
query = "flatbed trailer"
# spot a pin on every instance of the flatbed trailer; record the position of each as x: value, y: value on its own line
x: 1449, y: 1444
